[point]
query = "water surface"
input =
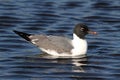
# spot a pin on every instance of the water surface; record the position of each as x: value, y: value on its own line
x: 20, y: 60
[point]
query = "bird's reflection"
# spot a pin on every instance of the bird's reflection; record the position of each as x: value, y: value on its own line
x: 76, y: 63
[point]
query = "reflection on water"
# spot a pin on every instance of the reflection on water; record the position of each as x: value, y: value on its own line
x: 45, y: 66
x: 20, y: 60
x: 75, y: 63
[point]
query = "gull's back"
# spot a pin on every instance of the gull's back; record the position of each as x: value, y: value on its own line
x: 57, y: 43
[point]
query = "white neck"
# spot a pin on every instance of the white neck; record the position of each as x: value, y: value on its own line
x: 80, y: 46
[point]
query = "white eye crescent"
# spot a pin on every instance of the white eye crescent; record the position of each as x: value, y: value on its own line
x: 81, y: 29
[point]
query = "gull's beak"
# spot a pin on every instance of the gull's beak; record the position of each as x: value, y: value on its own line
x: 92, y: 32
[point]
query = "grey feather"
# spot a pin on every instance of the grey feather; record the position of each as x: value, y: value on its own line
x: 58, y: 43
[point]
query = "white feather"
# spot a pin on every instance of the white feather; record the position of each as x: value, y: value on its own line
x: 80, y: 46
x: 54, y: 53
x: 34, y: 41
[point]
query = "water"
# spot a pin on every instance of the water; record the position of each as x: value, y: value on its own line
x: 20, y: 60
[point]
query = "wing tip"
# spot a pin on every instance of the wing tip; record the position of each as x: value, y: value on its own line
x: 23, y: 35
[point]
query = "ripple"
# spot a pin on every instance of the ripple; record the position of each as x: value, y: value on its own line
x: 8, y: 21
x: 71, y: 5
x: 101, y: 5
x: 105, y: 5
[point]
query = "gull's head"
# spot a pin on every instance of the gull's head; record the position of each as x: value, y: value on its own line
x: 81, y: 30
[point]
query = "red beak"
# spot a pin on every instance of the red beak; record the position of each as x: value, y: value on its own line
x: 92, y: 32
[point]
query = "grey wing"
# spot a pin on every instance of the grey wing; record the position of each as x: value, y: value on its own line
x: 60, y: 44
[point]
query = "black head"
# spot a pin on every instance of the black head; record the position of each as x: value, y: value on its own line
x: 81, y: 30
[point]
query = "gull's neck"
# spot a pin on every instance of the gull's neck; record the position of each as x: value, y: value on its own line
x: 79, y: 46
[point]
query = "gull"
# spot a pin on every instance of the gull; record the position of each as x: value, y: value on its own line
x: 59, y: 45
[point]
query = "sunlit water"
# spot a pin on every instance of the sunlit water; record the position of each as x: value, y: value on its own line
x: 20, y: 60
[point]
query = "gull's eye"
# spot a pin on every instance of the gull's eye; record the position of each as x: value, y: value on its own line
x: 81, y: 29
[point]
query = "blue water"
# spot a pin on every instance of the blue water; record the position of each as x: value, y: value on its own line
x: 20, y: 60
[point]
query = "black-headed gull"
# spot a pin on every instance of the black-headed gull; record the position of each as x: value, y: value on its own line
x: 58, y: 45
